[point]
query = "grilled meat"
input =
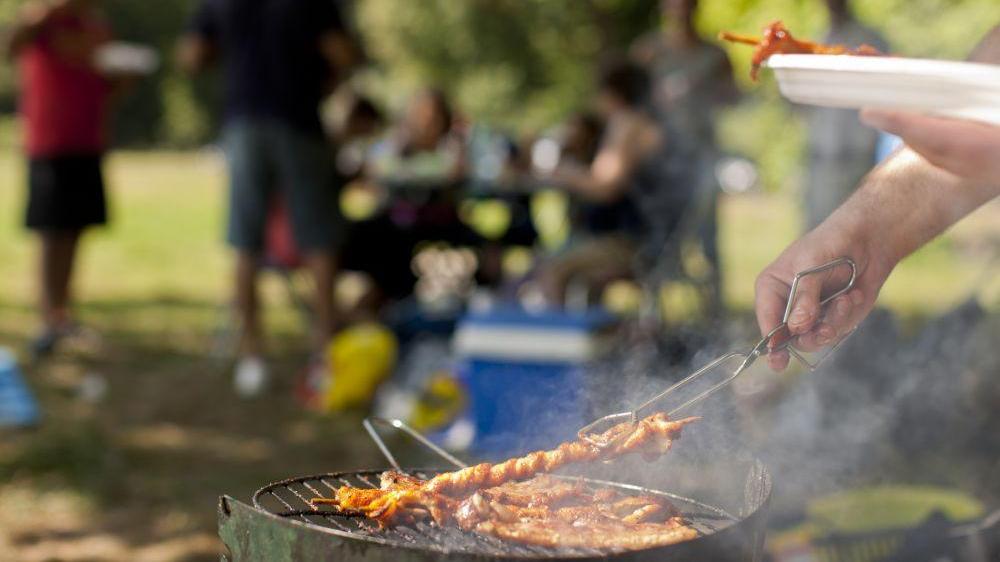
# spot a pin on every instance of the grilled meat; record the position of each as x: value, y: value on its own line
x: 603, y: 535
x: 651, y: 437
x: 777, y: 40
x: 515, y: 500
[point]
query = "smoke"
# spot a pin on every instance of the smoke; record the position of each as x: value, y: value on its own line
x: 885, y: 408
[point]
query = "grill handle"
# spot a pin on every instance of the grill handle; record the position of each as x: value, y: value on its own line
x: 369, y: 425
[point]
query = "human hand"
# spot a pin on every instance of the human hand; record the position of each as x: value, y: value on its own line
x: 968, y: 149
x: 813, y: 327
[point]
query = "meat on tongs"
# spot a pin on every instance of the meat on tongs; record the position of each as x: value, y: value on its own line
x: 402, y: 498
x: 777, y: 40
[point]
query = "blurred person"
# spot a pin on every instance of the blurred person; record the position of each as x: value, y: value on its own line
x: 366, y: 250
x: 280, y: 59
x: 425, y: 147
x: 422, y: 150
x: 840, y: 150
x: 64, y: 105
x: 639, y: 180
x: 583, y: 136
x: 581, y: 139
x: 947, y: 169
x: 360, y: 128
x: 692, y: 81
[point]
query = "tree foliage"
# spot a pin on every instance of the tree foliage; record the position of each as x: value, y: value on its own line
x: 524, y: 64
x: 515, y: 62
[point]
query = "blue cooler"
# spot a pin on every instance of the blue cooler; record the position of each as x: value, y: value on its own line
x: 525, y: 375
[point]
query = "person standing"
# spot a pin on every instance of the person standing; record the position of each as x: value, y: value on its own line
x: 64, y: 106
x: 280, y: 59
x: 841, y: 150
x: 691, y: 80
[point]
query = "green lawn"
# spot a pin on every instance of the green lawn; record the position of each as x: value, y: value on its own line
x: 135, y: 476
x: 167, y: 210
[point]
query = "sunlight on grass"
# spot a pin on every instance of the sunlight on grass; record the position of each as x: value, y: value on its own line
x: 164, y: 237
x: 891, y: 507
x: 168, y: 209
x: 160, y: 267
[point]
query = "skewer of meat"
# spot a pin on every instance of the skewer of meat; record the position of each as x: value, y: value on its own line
x: 403, y: 498
x: 651, y: 437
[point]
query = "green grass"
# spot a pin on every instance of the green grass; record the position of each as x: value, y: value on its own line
x: 166, y: 216
x: 160, y: 262
x: 890, y: 507
x: 164, y: 241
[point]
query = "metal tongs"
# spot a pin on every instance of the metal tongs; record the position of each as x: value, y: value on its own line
x: 764, y: 347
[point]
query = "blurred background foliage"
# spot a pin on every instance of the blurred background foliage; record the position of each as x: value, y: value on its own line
x: 523, y: 65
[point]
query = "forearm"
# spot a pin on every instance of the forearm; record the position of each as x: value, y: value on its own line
x: 898, y: 208
x: 583, y: 183
x: 903, y: 204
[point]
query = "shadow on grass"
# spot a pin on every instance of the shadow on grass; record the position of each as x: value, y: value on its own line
x: 152, y: 455
x: 80, y: 455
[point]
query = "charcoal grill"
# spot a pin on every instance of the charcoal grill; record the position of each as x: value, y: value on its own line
x: 732, y: 490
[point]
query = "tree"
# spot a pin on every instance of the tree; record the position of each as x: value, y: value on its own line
x: 518, y: 63
x: 524, y: 64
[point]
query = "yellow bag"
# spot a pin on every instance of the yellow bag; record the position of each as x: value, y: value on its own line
x: 358, y: 359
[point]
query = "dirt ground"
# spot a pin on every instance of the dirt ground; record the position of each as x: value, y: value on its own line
x: 136, y: 475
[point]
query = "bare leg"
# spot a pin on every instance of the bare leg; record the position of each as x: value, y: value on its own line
x: 247, y: 305
x: 323, y: 266
x: 56, y: 260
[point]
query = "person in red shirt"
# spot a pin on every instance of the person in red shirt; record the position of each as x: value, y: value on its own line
x: 64, y: 106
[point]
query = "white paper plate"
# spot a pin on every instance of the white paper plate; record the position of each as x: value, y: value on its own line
x: 954, y: 89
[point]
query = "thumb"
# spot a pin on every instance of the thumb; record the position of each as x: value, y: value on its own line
x: 805, y: 309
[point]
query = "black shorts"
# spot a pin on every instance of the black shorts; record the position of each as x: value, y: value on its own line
x: 65, y: 192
